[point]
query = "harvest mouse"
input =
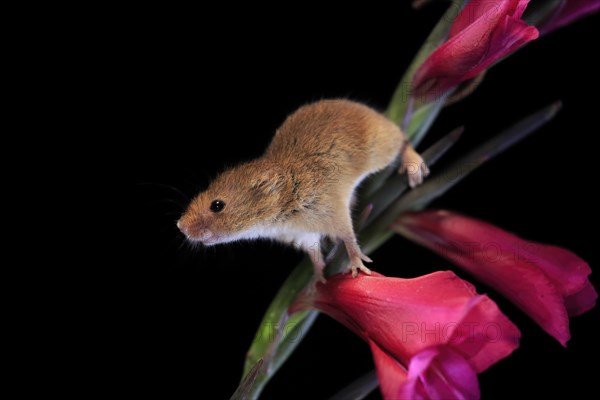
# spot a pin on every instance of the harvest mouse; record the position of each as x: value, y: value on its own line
x: 301, y: 189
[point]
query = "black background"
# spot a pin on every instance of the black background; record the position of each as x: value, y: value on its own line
x: 201, y: 98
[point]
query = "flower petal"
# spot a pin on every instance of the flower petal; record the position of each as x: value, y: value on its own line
x: 538, y: 278
x: 439, y: 373
x: 485, y: 10
x: 390, y: 372
x: 582, y: 301
x: 484, y: 334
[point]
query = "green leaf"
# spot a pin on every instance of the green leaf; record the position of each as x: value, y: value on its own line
x: 282, y: 338
x: 266, y: 339
x: 377, y: 232
x: 397, y: 184
x: 419, y: 125
x: 245, y: 388
x: 359, y: 389
x: 298, y: 325
x: 434, y: 188
x: 422, y: 119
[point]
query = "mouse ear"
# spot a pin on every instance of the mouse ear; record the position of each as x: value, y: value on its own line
x: 269, y: 181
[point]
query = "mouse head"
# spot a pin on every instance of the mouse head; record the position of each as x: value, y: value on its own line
x: 236, y: 205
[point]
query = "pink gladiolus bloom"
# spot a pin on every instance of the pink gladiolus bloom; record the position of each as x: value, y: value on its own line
x: 429, y: 336
x: 484, y: 32
x: 567, y: 12
x: 548, y: 283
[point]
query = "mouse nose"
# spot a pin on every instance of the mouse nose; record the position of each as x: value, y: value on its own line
x: 194, y: 231
x: 184, y: 228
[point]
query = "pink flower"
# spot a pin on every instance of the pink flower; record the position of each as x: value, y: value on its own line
x: 484, y: 32
x: 429, y: 336
x: 548, y: 283
x: 567, y: 12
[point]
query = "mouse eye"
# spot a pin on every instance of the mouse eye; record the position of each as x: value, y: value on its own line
x: 217, y: 205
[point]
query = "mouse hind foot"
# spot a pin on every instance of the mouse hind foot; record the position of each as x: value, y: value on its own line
x: 413, y: 165
x: 356, y: 265
x: 356, y: 258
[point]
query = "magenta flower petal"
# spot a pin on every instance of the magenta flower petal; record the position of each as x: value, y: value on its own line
x: 483, y: 33
x: 581, y: 301
x: 548, y: 283
x: 567, y: 272
x: 390, y: 373
x: 400, y: 318
x: 439, y: 373
x: 487, y: 11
